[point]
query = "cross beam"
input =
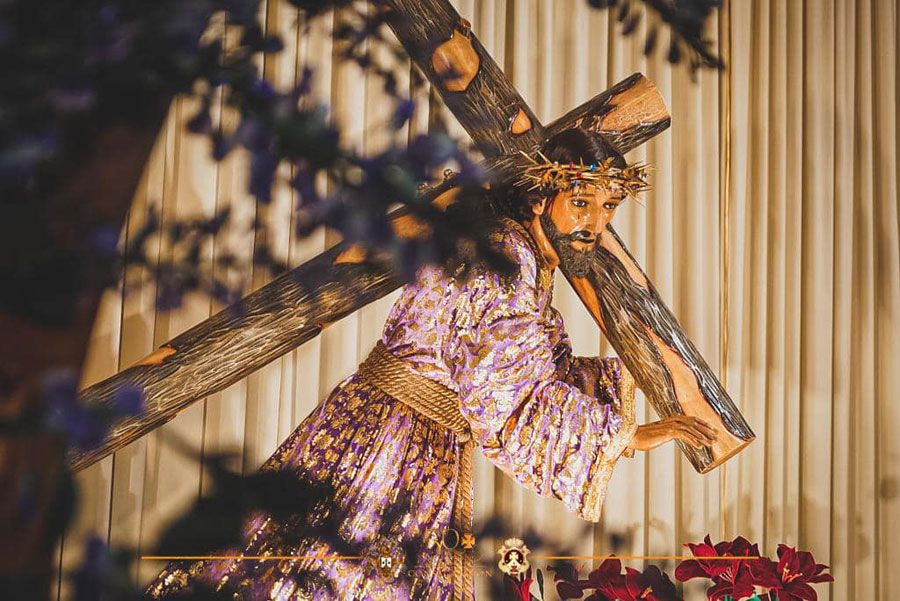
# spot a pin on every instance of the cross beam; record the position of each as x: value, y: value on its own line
x: 282, y: 315
x: 298, y: 305
x: 666, y: 365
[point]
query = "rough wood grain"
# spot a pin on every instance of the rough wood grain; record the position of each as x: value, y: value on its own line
x: 674, y: 375
x: 197, y: 363
x: 488, y: 103
x: 263, y: 326
x: 627, y: 114
x: 607, y: 113
x: 666, y: 364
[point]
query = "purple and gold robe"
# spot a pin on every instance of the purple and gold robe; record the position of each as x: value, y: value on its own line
x: 555, y: 423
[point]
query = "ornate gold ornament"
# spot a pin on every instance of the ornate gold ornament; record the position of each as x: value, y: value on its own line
x: 513, y: 557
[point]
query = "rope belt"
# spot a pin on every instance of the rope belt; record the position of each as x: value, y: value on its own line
x: 441, y: 405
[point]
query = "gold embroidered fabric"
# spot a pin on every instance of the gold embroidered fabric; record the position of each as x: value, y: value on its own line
x: 393, y: 442
x: 440, y: 404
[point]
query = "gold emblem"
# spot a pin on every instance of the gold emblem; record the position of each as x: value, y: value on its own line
x: 386, y: 557
x: 513, y: 557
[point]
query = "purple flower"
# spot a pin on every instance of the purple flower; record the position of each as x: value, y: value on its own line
x: 71, y: 99
x: 64, y: 413
x: 262, y: 88
x: 249, y: 133
x: 223, y: 293
x: 90, y: 577
x: 22, y: 156
x: 263, y: 164
x: 221, y: 145
x: 432, y: 150
x: 105, y: 239
x: 303, y: 88
x: 129, y: 400
x: 314, y: 7
x: 242, y: 12
x: 305, y: 185
x: 403, y: 113
x: 169, y: 295
x: 271, y: 44
x: 201, y: 123
x: 60, y: 389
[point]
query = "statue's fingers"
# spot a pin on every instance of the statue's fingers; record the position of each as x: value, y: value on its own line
x: 707, y: 427
x: 697, y: 443
x: 700, y: 436
x: 692, y: 438
x: 708, y: 435
x: 706, y: 431
x: 697, y: 421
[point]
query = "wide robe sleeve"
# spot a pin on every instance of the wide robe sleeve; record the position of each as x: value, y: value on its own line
x: 544, y: 432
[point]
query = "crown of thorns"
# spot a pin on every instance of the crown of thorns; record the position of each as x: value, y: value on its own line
x: 541, y: 173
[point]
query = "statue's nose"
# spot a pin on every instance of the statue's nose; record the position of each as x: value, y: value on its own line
x: 595, y: 222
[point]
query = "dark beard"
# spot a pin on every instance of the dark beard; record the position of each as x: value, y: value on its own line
x: 576, y: 263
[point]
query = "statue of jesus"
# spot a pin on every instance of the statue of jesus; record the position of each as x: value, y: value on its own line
x: 481, y: 361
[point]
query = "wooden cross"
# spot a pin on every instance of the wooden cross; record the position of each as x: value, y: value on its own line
x: 284, y: 314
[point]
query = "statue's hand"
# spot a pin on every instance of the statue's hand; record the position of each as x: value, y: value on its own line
x: 691, y: 430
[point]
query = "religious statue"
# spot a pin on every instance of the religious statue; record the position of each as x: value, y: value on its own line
x: 469, y: 358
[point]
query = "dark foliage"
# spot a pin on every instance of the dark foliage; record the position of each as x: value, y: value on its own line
x: 686, y: 21
x: 74, y: 69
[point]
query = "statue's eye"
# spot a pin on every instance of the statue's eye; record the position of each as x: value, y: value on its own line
x: 609, y: 206
x: 578, y: 202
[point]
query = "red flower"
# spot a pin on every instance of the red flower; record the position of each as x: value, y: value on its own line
x: 568, y: 586
x: 762, y: 573
x: 795, y: 571
x: 634, y: 585
x: 735, y: 578
x: 609, y: 570
x: 609, y: 583
x: 523, y: 587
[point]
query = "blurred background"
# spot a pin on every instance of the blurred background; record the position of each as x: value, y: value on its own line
x: 772, y: 232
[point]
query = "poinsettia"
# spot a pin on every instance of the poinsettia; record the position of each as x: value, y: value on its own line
x: 795, y: 571
x: 731, y: 578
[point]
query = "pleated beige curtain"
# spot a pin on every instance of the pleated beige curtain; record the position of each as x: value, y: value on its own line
x: 815, y: 287
x: 772, y: 232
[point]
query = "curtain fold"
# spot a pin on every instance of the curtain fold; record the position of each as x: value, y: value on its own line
x: 772, y: 231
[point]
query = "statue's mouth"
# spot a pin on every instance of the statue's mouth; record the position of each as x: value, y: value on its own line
x: 583, y: 236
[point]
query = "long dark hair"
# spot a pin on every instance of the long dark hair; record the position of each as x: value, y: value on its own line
x: 568, y: 146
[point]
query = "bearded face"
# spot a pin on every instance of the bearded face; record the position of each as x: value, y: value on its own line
x: 576, y: 262
x: 573, y: 223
